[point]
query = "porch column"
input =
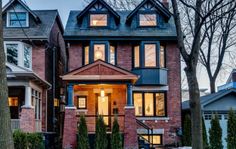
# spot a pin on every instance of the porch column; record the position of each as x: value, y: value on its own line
x: 27, y: 118
x: 70, y: 121
x: 129, y: 95
x: 130, y: 130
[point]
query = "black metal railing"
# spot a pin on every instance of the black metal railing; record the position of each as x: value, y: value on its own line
x: 149, y: 130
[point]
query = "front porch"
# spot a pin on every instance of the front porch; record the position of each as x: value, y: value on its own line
x: 100, y: 89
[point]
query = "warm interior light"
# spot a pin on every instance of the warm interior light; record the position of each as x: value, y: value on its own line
x: 98, y: 54
x: 102, y: 94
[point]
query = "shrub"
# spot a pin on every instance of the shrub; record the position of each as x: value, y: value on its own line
x: 116, y: 139
x: 100, y: 136
x: 231, y: 130
x: 187, y: 131
x: 83, y: 142
x: 27, y: 140
x: 204, y: 135
x: 20, y: 139
x: 215, y: 134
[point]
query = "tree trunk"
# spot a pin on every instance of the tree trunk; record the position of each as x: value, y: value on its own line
x: 195, y: 108
x: 6, y: 140
x: 212, y: 85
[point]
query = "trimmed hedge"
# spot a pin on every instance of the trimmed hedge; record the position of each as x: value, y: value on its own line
x: 28, y: 140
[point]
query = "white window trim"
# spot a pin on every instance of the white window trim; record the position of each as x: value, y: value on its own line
x: 20, y: 51
x: 12, y: 11
x: 40, y: 98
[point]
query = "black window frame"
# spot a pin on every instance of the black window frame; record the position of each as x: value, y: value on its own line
x: 98, y: 13
x: 154, y: 104
x: 151, y: 136
x: 86, y: 102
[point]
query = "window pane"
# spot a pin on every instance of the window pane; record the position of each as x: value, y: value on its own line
x: 17, y: 19
x: 86, y: 55
x: 112, y: 55
x: 99, y: 52
x: 138, y: 104
x: 150, y: 55
x: 162, y: 57
x: 98, y: 20
x: 27, y: 58
x: 149, y: 104
x: 81, y: 102
x: 136, y: 56
x: 12, y: 53
x: 160, y: 104
x: 157, y: 139
x: 148, y: 20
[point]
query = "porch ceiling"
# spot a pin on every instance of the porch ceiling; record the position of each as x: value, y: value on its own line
x: 100, y: 71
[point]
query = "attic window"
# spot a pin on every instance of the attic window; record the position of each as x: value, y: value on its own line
x: 98, y: 20
x: 17, y: 19
x: 147, y: 20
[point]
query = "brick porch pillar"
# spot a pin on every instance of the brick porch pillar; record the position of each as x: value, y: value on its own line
x: 70, y: 122
x: 130, y: 129
x: 27, y: 118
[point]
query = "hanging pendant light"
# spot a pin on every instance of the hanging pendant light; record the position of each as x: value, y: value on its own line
x: 102, y: 93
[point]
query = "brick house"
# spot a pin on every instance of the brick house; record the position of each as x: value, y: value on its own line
x: 35, y: 58
x: 124, y: 64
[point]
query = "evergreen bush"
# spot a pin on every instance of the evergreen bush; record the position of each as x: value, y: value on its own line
x: 215, y: 134
x: 100, y: 136
x: 116, y: 139
x: 83, y: 141
x: 204, y: 135
x: 231, y: 130
x: 20, y: 139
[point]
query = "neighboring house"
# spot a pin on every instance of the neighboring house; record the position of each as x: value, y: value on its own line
x: 185, y: 93
x: 124, y: 63
x: 218, y: 103
x: 35, y: 58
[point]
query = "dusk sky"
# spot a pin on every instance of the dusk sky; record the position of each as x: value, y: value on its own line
x: 64, y: 7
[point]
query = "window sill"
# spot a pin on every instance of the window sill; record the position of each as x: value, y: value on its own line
x: 153, y: 118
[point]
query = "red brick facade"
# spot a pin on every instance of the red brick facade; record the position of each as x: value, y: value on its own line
x: 27, y: 120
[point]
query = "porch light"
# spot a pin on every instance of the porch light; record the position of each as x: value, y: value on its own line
x: 102, y: 94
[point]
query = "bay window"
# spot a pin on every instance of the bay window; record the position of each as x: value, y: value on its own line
x: 18, y: 53
x: 150, y: 104
x: 99, y: 51
x: 149, y: 55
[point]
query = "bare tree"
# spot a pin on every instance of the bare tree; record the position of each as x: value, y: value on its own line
x: 6, y: 141
x: 219, y: 37
x: 121, y: 4
x: 190, y: 51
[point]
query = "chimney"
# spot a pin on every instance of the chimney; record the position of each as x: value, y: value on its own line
x: 165, y: 3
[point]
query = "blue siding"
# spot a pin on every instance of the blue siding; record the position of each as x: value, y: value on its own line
x: 151, y: 76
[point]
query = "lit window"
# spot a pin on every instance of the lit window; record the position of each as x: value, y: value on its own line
x: 160, y: 104
x: 27, y: 56
x: 12, y: 53
x: 82, y: 102
x: 86, y: 55
x: 156, y: 139
x: 147, y: 20
x: 162, y: 57
x: 99, y: 52
x: 98, y: 20
x: 149, y: 104
x: 138, y: 103
x: 18, y: 19
x: 112, y: 55
x: 13, y: 101
x: 150, y: 55
x: 136, y: 56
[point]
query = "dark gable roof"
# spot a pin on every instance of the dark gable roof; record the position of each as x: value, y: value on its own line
x: 205, y: 100
x: 123, y: 31
x: 82, y: 13
x: 39, y: 31
x: 11, y: 2
x: 157, y: 4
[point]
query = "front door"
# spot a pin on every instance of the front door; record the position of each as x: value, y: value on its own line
x: 103, y: 108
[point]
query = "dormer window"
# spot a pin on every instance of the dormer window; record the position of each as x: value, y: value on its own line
x: 147, y: 20
x: 17, y: 19
x: 98, y: 20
